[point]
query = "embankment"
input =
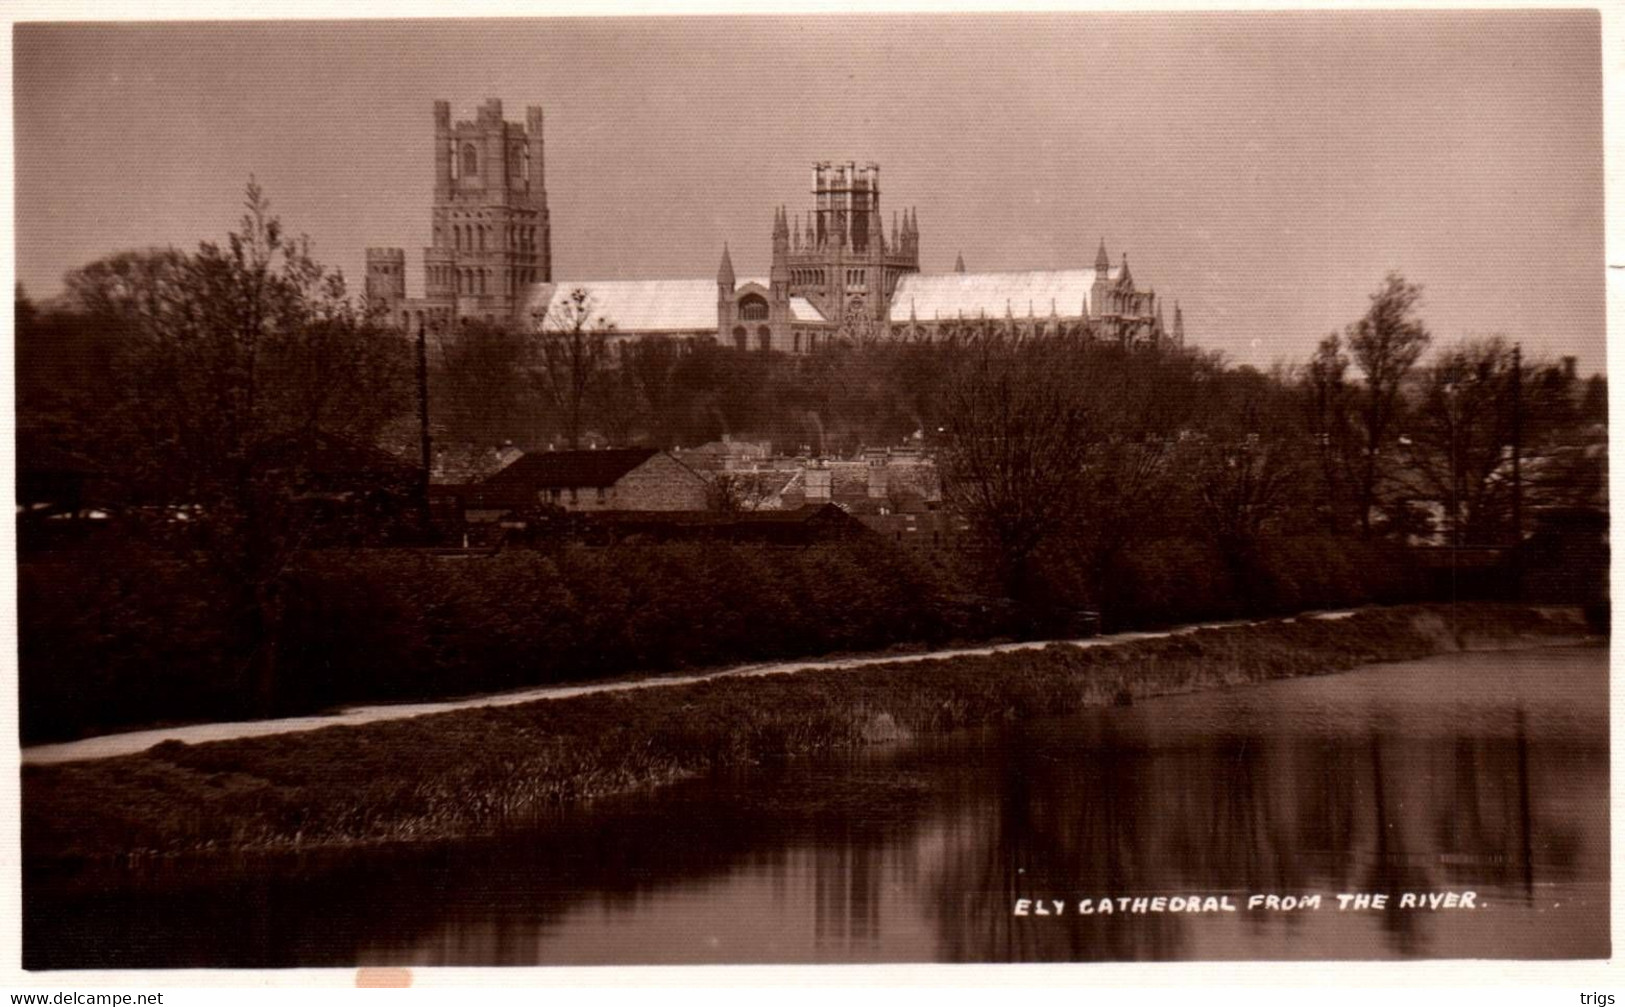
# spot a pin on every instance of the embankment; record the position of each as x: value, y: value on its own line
x: 473, y: 771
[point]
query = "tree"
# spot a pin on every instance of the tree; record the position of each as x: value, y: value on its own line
x: 571, y: 347
x: 1461, y: 438
x: 480, y: 394
x: 1328, y: 399
x: 1384, y: 345
x: 246, y: 369
x: 1245, y: 467
x: 1015, y: 448
x: 740, y: 492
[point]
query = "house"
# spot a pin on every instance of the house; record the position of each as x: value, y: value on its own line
x: 618, y: 479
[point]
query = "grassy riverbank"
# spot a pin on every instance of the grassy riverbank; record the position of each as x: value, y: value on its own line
x: 469, y: 772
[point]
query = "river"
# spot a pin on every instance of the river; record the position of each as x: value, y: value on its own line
x: 1484, y: 773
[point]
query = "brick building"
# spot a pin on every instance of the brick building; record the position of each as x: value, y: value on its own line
x: 620, y: 479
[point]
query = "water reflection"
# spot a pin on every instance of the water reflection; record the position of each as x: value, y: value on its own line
x: 1486, y: 773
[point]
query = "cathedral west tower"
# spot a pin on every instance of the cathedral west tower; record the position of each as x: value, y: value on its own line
x: 490, y: 232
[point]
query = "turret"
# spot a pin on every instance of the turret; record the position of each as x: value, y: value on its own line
x: 1179, y: 326
x: 442, y: 149
x: 959, y: 263
x: 1097, y: 290
x: 533, y: 137
x: 386, y: 276
x: 779, y: 274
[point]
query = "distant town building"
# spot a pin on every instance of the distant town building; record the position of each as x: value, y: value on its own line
x: 835, y: 273
x: 621, y: 479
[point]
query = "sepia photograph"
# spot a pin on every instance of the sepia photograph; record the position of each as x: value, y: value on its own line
x: 811, y: 489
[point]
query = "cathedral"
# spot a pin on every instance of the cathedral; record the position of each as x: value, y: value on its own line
x: 835, y: 275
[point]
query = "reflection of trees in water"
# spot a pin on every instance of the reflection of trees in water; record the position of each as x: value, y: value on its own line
x: 1065, y: 823
x: 491, y: 902
x: 1391, y: 870
x: 1099, y: 806
x: 1109, y: 814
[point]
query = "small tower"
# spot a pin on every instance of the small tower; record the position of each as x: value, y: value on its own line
x: 1179, y: 325
x: 386, y: 277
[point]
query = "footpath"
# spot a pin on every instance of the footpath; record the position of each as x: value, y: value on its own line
x: 107, y: 746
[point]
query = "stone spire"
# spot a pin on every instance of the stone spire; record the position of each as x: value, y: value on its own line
x: 1103, y: 261
x: 779, y: 274
x: 725, y: 272
x: 1179, y: 325
x: 1126, y: 279
x: 959, y: 263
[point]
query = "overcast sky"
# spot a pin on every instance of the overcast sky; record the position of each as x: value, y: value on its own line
x: 1265, y: 169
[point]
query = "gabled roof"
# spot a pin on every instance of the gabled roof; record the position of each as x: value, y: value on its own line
x: 539, y: 471
x: 944, y: 296
x: 635, y: 306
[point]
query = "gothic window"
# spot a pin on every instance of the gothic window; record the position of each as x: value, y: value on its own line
x: 451, y: 155
x: 471, y: 161
x: 482, y: 237
x: 516, y: 163
x: 795, y: 341
x: 764, y: 338
x: 740, y: 337
x: 752, y: 308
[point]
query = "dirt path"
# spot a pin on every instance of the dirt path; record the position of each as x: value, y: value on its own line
x: 109, y: 745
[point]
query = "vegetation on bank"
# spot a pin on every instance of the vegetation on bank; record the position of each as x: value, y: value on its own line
x: 117, y: 636
x: 475, y: 771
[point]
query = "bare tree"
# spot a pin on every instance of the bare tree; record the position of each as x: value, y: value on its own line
x: 740, y: 492
x: 571, y: 348
x: 1385, y: 345
x: 1018, y: 438
x: 1328, y: 412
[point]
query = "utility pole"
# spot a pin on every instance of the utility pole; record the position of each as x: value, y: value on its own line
x: 425, y: 457
x: 1517, y: 471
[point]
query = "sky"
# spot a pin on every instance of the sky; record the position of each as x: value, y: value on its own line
x: 1264, y: 169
